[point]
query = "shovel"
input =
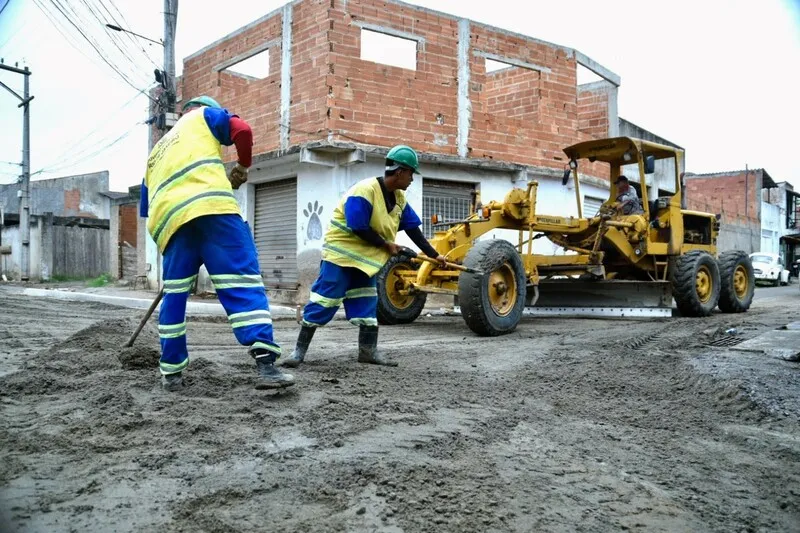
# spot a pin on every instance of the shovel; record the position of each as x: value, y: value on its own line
x: 146, y: 317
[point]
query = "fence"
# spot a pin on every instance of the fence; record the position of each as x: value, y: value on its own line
x: 80, y: 252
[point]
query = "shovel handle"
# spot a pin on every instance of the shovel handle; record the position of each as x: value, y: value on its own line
x: 145, y: 318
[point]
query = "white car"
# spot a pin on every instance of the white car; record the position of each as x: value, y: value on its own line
x: 768, y: 267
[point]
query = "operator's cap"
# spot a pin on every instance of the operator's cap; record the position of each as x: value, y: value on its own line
x: 621, y: 178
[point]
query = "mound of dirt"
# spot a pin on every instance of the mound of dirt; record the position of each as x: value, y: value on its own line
x: 106, y: 339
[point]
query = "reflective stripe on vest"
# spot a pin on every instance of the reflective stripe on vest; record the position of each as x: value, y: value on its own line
x: 186, y: 178
x: 346, y: 249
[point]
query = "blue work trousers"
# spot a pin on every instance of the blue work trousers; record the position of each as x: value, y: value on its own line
x: 223, y: 244
x: 335, y: 285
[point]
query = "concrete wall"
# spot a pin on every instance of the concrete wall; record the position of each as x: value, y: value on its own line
x: 771, y: 228
x: 68, y: 196
x: 743, y: 236
x: 10, y: 263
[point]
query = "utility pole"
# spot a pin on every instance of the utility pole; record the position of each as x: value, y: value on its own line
x: 170, y: 24
x: 25, y: 183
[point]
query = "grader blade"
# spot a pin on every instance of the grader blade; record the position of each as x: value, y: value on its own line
x: 600, y: 299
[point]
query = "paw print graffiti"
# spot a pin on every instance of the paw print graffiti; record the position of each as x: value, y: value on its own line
x: 314, y: 226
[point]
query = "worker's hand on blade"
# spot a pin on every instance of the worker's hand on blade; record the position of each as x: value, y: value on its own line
x: 238, y: 176
x: 392, y: 248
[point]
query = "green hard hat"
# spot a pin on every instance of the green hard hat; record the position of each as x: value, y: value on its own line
x: 405, y: 156
x: 202, y: 101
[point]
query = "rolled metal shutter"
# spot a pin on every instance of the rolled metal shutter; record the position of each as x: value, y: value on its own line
x: 451, y: 200
x: 591, y: 206
x: 276, y: 232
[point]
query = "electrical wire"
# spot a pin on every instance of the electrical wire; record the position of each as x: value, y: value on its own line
x: 57, y: 5
x: 85, y: 141
x: 65, y: 33
x: 97, y: 152
x: 135, y: 41
x: 83, y: 25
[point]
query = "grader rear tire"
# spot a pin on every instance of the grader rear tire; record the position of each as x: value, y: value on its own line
x: 393, y: 307
x: 737, y: 282
x: 696, y: 283
x: 492, y: 302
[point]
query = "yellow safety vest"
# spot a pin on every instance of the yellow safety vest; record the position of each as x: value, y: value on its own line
x: 186, y: 178
x: 347, y: 249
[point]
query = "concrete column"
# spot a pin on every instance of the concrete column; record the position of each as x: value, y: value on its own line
x: 113, y: 241
x: 286, y: 76
x: 46, y: 254
x: 464, y: 103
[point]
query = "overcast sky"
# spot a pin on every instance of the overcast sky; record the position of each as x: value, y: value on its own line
x: 719, y: 78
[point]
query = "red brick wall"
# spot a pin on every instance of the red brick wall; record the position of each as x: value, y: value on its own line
x: 522, y: 117
x: 311, y: 47
x: 725, y: 194
x: 593, y: 112
x: 128, y: 224
x: 256, y: 101
x: 513, y: 93
x: 385, y: 105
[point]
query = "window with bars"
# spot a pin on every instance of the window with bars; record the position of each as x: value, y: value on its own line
x: 449, y: 200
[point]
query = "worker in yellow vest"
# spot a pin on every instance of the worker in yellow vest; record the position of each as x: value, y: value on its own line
x: 195, y: 219
x: 358, y: 242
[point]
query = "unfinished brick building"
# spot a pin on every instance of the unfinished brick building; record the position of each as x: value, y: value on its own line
x: 757, y: 214
x: 330, y: 85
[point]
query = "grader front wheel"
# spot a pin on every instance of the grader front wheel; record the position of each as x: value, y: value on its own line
x: 393, y: 306
x: 492, y: 301
x: 696, y: 283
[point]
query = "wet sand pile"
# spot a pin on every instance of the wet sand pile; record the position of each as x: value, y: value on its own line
x: 105, y: 340
x: 97, y: 348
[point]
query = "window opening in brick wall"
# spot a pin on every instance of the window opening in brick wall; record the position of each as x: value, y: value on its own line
x: 586, y: 76
x: 511, y: 92
x: 449, y: 200
x: 254, y: 67
x: 388, y: 49
x: 494, y: 66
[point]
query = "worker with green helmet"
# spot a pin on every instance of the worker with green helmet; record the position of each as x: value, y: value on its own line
x: 195, y: 220
x: 358, y: 242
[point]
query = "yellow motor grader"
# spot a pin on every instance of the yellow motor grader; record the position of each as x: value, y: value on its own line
x: 630, y: 265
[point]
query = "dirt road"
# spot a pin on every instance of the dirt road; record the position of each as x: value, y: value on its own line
x: 565, y: 425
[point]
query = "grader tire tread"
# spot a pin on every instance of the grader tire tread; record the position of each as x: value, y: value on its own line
x: 387, y: 313
x: 729, y: 302
x: 475, y: 308
x: 684, y: 283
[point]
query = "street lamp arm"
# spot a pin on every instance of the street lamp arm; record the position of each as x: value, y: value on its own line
x: 117, y: 28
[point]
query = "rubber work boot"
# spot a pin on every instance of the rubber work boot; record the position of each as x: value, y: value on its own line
x: 269, y: 377
x: 300, y: 349
x: 172, y: 382
x: 368, y: 347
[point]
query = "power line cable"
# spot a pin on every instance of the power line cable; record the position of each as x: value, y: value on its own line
x: 134, y: 41
x: 65, y: 33
x: 58, y: 168
x: 78, y: 148
x: 63, y: 12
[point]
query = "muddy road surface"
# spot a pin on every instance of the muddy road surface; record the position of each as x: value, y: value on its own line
x: 564, y: 425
